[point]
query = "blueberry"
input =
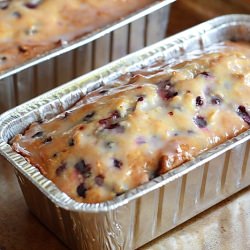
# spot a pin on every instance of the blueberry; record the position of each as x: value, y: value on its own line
x: 99, y: 179
x: 40, y: 121
x: 115, y: 115
x: 170, y: 94
x: 242, y: 112
x: 81, y: 128
x: 60, y: 169
x: 215, y: 100
x: 3, y: 58
x: 22, y: 49
x: 4, y: 4
x: 109, y: 123
x: 32, y: 4
x: 120, y: 193
x: 103, y: 91
x: 166, y: 89
x: 164, y: 83
x: 140, y: 99
x: 71, y: 143
x: 140, y: 140
x: 48, y: 139
x: 81, y: 190
x: 117, y: 163
x: 83, y: 168
x: 55, y: 155
x: 38, y: 134
x: 17, y: 14
x: 112, y: 126
x: 89, y: 116
x: 104, y: 121
x: 199, y: 101
x: 206, y: 74
x: 66, y: 114
x: 109, y: 144
x: 200, y: 121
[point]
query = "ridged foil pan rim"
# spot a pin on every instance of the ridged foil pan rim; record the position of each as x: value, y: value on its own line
x: 93, y: 78
x: 85, y: 39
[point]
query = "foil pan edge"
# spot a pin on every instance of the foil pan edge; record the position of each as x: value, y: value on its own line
x: 93, y: 78
x: 87, y: 38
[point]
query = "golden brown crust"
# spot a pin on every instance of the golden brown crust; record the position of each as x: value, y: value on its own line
x: 119, y: 137
x: 30, y: 28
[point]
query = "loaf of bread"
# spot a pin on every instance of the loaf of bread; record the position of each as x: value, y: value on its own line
x: 142, y: 125
x: 31, y: 27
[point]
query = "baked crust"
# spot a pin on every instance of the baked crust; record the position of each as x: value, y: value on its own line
x: 30, y: 28
x: 147, y: 123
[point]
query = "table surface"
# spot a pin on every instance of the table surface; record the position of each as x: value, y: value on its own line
x: 225, y: 226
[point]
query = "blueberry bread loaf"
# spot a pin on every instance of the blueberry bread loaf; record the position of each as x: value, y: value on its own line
x: 146, y: 124
x: 31, y: 27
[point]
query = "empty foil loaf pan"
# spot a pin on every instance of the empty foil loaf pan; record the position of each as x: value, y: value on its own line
x: 142, y: 214
x: 96, y: 49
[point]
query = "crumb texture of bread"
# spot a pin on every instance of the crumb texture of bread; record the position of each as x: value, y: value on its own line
x: 144, y: 125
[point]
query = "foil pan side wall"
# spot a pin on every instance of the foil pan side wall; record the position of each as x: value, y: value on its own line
x: 33, y: 81
x: 109, y: 230
x: 150, y: 201
x: 144, y: 219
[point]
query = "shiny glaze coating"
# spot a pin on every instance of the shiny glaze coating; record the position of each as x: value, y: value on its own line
x: 147, y: 123
x: 31, y: 27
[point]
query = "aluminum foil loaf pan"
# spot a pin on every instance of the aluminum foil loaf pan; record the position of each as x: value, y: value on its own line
x: 80, y: 56
x: 140, y: 215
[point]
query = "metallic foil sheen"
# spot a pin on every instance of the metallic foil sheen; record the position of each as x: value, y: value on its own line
x: 144, y: 213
